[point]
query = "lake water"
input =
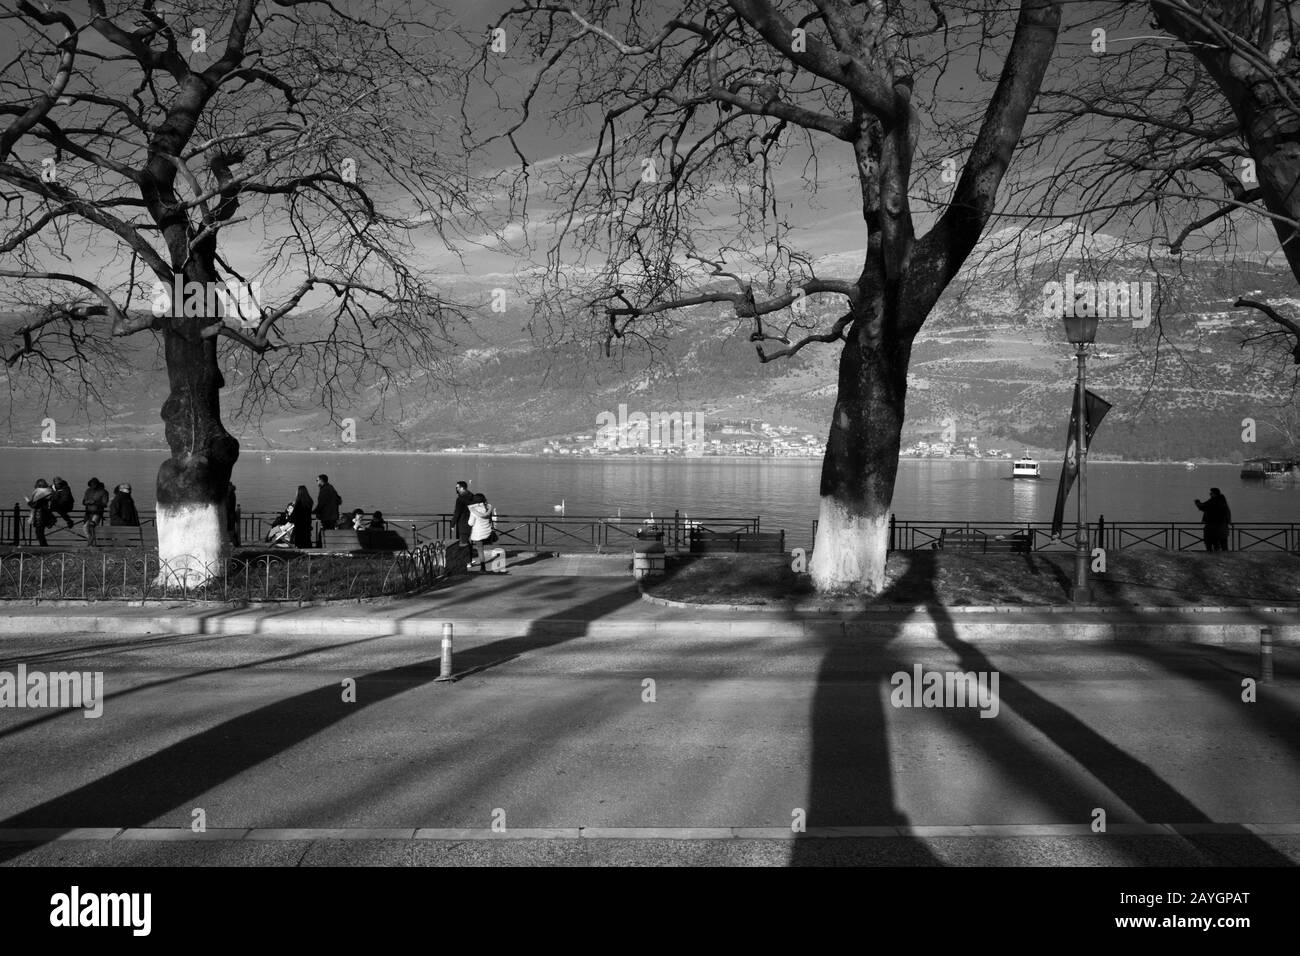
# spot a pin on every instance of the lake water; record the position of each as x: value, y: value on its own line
x: 782, y: 492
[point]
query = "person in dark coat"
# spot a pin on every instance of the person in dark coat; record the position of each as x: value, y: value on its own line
x: 121, y: 510
x: 62, y: 503
x: 1217, y: 516
x: 300, y: 515
x: 460, y: 516
x: 232, y: 514
x: 328, y: 503
x: 42, y: 516
x: 95, y: 501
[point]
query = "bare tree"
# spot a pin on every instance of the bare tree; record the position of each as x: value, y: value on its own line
x: 1188, y: 139
x: 677, y: 204
x: 164, y: 162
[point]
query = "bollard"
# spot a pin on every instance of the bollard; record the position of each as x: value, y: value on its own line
x: 1265, y: 654
x: 445, y: 670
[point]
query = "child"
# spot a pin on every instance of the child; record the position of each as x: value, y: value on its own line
x: 358, y: 520
x: 377, y: 522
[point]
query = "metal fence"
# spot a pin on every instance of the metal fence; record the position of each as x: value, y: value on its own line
x: 136, y: 575
x: 527, y: 532
x: 907, y: 535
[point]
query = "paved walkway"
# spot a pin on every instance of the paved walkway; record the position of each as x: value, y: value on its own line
x: 595, y: 595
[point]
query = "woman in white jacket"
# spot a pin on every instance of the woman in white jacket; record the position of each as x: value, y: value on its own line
x: 481, y: 515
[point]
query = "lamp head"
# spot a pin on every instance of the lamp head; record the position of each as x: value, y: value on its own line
x: 1081, y: 329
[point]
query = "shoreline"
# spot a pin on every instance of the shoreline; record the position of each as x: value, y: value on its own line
x: 589, y: 458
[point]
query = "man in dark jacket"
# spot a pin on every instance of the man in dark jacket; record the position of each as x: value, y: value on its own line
x: 1217, y: 516
x: 121, y: 510
x: 232, y: 514
x: 328, y: 503
x: 62, y: 502
x: 460, y: 516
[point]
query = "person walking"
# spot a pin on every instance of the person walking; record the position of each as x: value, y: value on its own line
x: 62, y: 502
x: 95, y: 501
x: 121, y: 510
x: 460, y: 515
x: 1217, y: 516
x: 42, y: 514
x: 328, y: 502
x: 481, y: 530
x: 300, y: 514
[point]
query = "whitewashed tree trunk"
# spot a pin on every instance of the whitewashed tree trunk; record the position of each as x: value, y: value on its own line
x: 850, y: 549
x: 192, y: 544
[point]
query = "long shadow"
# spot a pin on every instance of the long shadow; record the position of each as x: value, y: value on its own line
x: 171, y: 778
x: 851, y: 776
x: 851, y: 779
x: 1131, y: 780
x: 49, y: 715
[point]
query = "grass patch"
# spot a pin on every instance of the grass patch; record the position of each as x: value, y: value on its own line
x: 1132, y: 579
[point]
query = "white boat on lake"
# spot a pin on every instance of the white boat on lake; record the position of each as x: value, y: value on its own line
x: 1025, y: 467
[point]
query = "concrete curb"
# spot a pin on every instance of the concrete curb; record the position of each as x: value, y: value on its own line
x: 973, y: 608
x: 905, y: 626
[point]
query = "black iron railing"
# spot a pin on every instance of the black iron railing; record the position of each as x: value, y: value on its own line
x: 138, y: 575
x: 527, y: 532
x: 909, y: 535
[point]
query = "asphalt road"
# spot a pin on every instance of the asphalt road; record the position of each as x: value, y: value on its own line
x: 552, y: 732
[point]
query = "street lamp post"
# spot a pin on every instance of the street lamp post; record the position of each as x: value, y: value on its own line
x: 1081, y: 331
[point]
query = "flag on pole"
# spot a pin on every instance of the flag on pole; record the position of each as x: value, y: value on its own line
x: 1095, y: 410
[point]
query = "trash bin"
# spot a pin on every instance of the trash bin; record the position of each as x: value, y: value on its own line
x: 648, y: 556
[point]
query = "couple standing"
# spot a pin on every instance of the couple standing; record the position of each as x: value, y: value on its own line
x: 474, y: 521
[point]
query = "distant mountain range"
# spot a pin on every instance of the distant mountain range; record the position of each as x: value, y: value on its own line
x: 989, y: 362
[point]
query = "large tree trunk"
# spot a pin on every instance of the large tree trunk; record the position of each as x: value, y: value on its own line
x: 859, y: 469
x: 193, y: 541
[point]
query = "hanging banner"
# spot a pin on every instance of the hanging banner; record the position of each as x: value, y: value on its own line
x: 1096, y: 409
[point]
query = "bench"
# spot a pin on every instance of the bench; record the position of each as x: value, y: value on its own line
x: 118, y: 536
x: 978, y: 542
x: 737, y: 542
x: 347, y: 540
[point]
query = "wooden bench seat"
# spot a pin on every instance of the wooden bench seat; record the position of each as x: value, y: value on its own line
x: 62, y: 538
x: 345, y: 539
x: 746, y: 542
x: 978, y: 542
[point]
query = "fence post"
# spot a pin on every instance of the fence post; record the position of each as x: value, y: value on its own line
x: 18, y: 520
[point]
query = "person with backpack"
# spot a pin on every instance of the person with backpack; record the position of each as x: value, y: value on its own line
x: 482, y: 528
x: 62, y: 502
x: 95, y: 501
x: 42, y: 515
x: 121, y: 510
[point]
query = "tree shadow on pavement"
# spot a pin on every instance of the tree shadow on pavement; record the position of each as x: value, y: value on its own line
x: 172, y: 778
x: 1132, y: 781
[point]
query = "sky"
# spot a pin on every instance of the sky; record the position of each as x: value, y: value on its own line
x: 826, y: 224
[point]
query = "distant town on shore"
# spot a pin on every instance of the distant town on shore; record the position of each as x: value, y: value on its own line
x: 727, y: 439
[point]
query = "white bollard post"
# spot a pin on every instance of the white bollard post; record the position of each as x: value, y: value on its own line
x: 445, y: 669
x: 1265, y: 654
